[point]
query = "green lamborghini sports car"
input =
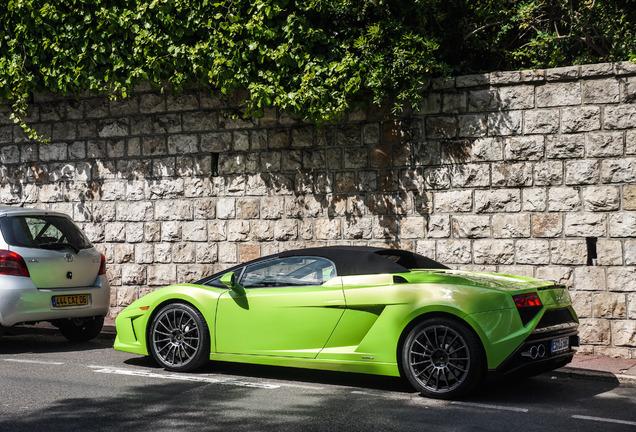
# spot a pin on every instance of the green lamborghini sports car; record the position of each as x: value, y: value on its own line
x: 358, y: 309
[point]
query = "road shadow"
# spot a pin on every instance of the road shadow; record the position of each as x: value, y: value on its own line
x: 494, y: 391
x: 19, y: 340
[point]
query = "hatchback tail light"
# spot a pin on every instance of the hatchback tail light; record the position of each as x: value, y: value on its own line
x: 12, y: 264
x: 102, y: 266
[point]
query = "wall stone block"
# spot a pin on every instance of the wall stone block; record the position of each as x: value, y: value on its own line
x: 512, y: 174
x: 487, y: 149
x: 610, y: 252
x: 610, y: 305
x: 580, y: 119
x: 582, y: 303
x: 624, y: 333
x: 565, y: 146
x: 453, y: 201
x: 470, y: 175
x: 601, y: 198
x: 622, y: 224
x: 162, y: 275
x: 472, y: 125
x: 516, y: 97
x: 439, y: 226
x: 621, y: 279
x: 454, y: 251
x: 545, y: 121
x: 590, y: 278
x: 601, y: 91
x: 503, y: 124
x: 493, y: 252
x: 171, y: 231
x: 568, y: 252
x: 585, y: 225
x: 559, y: 274
x: 630, y: 252
x: 443, y: 127
x: 511, y: 225
x: 558, y: 94
x: 563, y: 199
x: 595, y: 331
x: 465, y: 226
x: 579, y: 172
x: 504, y: 200
x: 217, y: 230
x: 548, y: 173
x: 619, y: 116
x: 534, y: 200
x: 604, y: 144
x: 618, y: 171
x: 530, y: 147
x: 533, y: 252
x: 285, y: 230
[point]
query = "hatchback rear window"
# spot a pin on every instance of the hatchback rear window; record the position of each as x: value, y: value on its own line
x: 43, y: 231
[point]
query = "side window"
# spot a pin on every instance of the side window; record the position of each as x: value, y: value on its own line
x: 287, y: 272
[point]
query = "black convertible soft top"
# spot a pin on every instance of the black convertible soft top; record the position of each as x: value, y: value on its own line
x: 361, y: 260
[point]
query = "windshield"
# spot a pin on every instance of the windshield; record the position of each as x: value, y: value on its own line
x: 43, y: 231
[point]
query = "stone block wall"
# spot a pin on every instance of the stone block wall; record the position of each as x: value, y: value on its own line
x: 526, y: 172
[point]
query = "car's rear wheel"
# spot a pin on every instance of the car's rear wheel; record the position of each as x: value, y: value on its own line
x: 179, y: 338
x: 442, y: 358
x: 80, y: 329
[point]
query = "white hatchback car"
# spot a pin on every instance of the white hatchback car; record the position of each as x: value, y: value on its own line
x: 50, y: 271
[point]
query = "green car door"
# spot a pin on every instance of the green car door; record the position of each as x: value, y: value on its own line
x: 286, y: 307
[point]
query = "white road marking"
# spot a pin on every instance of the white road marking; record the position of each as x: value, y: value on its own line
x: 383, y: 395
x: 605, y: 420
x: 34, y: 362
x: 183, y: 377
x: 494, y: 407
x: 301, y: 386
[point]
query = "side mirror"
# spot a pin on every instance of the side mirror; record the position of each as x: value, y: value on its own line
x: 229, y: 280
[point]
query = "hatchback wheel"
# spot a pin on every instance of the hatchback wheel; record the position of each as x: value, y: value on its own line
x: 442, y: 359
x: 179, y: 338
x: 80, y: 329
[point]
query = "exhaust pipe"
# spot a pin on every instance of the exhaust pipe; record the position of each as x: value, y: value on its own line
x: 535, y: 352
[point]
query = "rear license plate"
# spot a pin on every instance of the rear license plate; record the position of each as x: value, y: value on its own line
x: 560, y: 344
x: 70, y: 300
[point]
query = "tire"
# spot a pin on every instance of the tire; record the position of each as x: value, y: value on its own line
x: 442, y: 358
x: 178, y: 338
x: 80, y: 329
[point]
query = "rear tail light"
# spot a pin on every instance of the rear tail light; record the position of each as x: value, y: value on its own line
x: 527, y: 300
x: 528, y: 305
x: 12, y: 264
x: 102, y: 266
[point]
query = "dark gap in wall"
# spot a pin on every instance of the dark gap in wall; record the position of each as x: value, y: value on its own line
x: 215, y: 164
x: 591, y: 250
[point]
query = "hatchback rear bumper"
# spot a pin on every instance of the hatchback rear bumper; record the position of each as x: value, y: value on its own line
x: 22, y: 302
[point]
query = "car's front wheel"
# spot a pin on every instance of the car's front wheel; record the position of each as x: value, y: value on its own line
x: 179, y: 338
x: 80, y: 329
x: 442, y: 358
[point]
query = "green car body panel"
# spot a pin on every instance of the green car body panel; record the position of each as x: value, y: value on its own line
x: 349, y: 323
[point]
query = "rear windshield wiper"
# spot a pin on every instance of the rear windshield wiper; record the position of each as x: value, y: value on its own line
x: 59, y: 245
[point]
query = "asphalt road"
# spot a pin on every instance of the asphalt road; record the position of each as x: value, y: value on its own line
x: 49, y: 384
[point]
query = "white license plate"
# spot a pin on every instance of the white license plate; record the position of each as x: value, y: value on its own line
x: 560, y: 344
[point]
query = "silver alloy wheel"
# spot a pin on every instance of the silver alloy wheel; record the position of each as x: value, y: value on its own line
x: 176, y: 336
x: 438, y: 358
